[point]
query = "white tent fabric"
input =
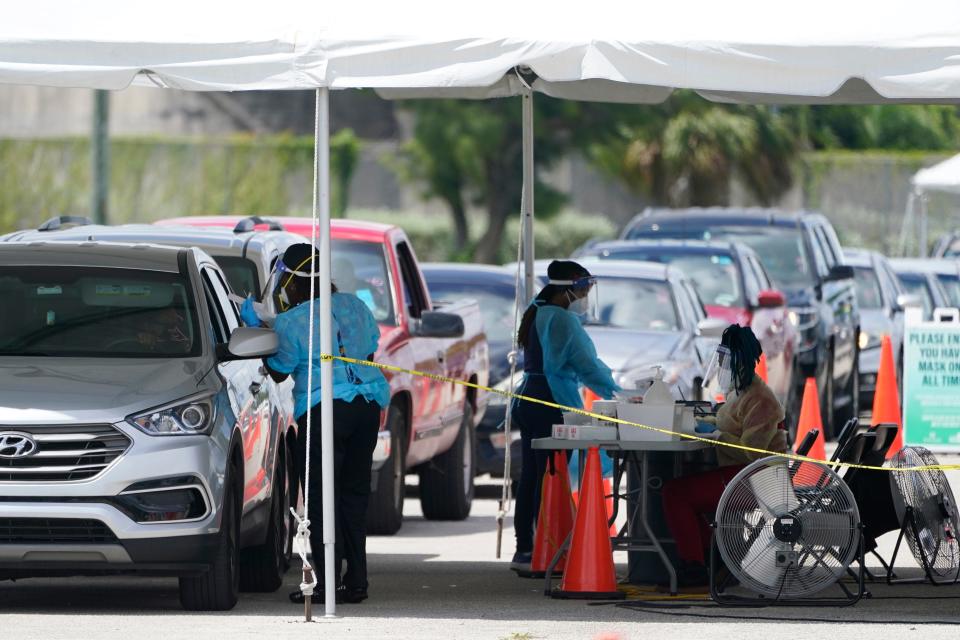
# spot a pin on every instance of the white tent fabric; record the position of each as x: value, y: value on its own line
x: 944, y: 176
x: 854, y: 51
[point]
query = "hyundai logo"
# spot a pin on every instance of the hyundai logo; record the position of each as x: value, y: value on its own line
x: 16, y: 445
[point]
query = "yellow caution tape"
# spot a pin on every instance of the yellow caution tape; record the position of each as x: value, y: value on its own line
x: 590, y: 414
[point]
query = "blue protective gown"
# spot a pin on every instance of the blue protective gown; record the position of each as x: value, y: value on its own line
x: 355, y: 335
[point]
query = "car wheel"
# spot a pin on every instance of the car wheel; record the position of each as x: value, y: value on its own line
x: 218, y: 588
x: 446, y: 483
x: 262, y: 567
x: 385, y: 511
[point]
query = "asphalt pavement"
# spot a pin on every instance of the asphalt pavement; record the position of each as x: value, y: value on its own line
x: 441, y: 580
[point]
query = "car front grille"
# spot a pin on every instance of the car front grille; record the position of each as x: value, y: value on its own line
x: 64, y: 453
x: 54, y: 531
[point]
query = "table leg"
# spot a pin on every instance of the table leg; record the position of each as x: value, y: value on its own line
x: 644, y: 512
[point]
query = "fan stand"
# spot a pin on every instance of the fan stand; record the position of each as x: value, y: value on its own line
x: 721, y: 579
x: 909, y: 522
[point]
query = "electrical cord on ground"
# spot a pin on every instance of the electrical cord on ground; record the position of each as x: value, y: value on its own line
x: 678, y: 610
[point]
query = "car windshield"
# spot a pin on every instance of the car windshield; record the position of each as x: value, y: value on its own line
x: 715, y: 275
x: 360, y: 268
x: 496, y: 304
x: 96, y: 313
x: 868, y: 288
x: 951, y: 285
x: 636, y: 304
x: 241, y: 275
x: 780, y: 248
x: 915, y: 284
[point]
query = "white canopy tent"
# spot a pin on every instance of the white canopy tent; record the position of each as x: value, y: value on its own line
x: 943, y: 176
x: 752, y: 51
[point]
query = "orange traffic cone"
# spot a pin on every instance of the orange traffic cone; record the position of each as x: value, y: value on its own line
x: 761, y: 369
x: 810, y: 419
x: 886, y: 398
x: 608, y: 493
x: 555, y: 520
x: 590, y: 573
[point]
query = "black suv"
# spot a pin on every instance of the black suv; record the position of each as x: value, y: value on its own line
x: 801, y: 253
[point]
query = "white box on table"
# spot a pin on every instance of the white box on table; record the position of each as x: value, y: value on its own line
x: 591, y: 432
x: 652, y: 415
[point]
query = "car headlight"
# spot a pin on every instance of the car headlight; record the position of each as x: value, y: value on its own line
x: 868, y: 340
x: 193, y: 417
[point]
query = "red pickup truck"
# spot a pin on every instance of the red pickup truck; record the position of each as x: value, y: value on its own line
x: 431, y: 424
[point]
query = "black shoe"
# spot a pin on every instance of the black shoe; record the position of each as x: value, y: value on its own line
x: 521, y: 561
x: 349, y: 595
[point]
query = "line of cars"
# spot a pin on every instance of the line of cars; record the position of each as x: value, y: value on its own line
x: 139, y: 432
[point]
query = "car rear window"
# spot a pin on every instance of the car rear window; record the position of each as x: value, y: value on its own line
x: 781, y: 249
x: 715, y: 275
x: 496, y: 304
x: 868, y: 288
x: 636, y: 304
x: 915, y: 284
x: 96, y: 313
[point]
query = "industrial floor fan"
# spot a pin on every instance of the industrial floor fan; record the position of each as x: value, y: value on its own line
x: 928, y: 516
x: 786, y: 532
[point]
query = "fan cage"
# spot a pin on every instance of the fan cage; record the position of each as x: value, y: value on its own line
x: 787, y: 530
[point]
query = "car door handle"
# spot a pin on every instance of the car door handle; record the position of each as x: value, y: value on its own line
x: 255, y: 387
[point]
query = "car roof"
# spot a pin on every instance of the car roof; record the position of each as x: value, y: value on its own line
x: 940, y: 266
x: 469, y: 272
x: 616, y: 268
x: 741, y: 216
x: 295, y: 224
x: 689, y: 246
x: 859, y: 257
x: 211, y: 239
x: 114, y: 255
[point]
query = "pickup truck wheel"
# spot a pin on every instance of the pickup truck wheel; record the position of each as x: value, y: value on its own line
x: 446, y: 483
x: 218, y: 589
x: 385, y: 511
x: 262, y: 567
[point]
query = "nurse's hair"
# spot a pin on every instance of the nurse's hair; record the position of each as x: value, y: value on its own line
x: 300, y: 257
x: 745, y: 352
x: 557, y: 270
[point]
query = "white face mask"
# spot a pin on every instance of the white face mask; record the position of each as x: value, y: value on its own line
x: 579, y: 306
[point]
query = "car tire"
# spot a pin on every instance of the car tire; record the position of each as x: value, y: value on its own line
x: 446, y: 482
x: 263, y: 567
x: 385, y: 510
x: 218, y: 588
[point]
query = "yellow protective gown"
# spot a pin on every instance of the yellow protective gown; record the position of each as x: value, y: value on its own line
x: 752, y: 419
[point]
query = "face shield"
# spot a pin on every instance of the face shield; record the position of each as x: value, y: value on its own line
x: 582, y: 297
x: 280, y: 278
x: 719, y: 370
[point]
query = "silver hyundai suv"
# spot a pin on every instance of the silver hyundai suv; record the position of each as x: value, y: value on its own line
x: 136, y: 428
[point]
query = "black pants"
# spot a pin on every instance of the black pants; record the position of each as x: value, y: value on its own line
x: 535, y: 421
x: 355, y: 426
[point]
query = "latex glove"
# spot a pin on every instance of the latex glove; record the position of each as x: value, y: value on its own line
x: 704, y: 427
x: 248, y: 314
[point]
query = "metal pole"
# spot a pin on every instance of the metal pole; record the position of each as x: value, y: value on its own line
x: 923, y: 226
x: 100, y: 145
x: 326, y: 347
x: 527, y: 202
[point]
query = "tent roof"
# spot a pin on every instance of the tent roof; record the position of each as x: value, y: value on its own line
x: 823, y: 51
x: 944, y: 176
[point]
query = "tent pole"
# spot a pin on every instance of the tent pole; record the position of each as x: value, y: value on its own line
x: 528, y: 185
x: 922, y: 252
x: 322, y: 201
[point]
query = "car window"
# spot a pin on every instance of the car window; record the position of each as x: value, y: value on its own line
x: 917, y: 285
x: 637, y: 304
x: 869, y: 295
x: 496, y: 304
x: 834, y: 243
x: 689, y: 303
x: 96, y: 313
x: 816, y: 244
x: 890, y: 279
x: 753, y: 285
x: 217, y: 319
x: 953, y: 249
x: 360, y: 268
x: 951, y: 286
x: 413, y: 292
x: 241, y: 275
x: 828, y: 251
x: 715, y: 274
x: 228, y: 311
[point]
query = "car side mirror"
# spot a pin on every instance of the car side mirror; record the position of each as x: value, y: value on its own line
x: 437, y: 324
x: 247, y: 343
x: 771, y: 299
x: 840, y: 272
x: 906, y: 300
x: 711, y: 327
